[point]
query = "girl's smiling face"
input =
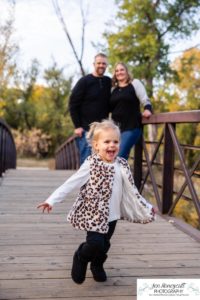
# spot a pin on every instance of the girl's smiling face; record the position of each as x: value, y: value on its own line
x: 107, y: 145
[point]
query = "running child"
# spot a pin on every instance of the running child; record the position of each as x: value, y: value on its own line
x: 107, y: 193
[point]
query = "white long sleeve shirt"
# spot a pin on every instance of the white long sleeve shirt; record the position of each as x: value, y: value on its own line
x: 77, y: 180
x: 141, y: 92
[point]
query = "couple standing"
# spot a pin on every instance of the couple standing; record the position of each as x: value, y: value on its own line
x: 96, y: 95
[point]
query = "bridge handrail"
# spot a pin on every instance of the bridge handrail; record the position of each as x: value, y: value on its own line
x: 191, y: 116
x: 67, y: 158
x: 7, y: 148
x: 171, y: 145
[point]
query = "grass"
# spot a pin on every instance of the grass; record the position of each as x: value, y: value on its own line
x: 48, y: 163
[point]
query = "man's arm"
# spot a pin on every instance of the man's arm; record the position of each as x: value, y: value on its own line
x: 75, y: 101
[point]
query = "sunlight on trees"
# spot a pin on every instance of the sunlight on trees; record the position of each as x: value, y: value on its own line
x: 141, y: 36
x: 8, y: 51
x: 143, y: 32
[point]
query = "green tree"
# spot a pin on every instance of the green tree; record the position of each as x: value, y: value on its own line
x: 143, y: 33
x: 8, y: 49
x: 8, y: 53
x: 30, y: 106
x: 52, y: 113
x: 19, y: 108
x: 11, y: 106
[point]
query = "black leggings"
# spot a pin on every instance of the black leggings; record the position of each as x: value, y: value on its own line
x: 97, y: 242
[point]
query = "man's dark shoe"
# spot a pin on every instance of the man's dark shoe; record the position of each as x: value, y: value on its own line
x: 79, y: 268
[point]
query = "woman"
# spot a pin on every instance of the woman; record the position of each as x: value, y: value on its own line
x: 126, y: 97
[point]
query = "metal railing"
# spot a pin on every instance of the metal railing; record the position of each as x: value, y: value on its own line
x: 143, y: 165
x: 172, y: 150
x: 67, y: 156
x: 7, y: 149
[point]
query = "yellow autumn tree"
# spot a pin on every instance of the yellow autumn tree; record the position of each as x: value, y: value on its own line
x: 182, y: 93
x: 187, y: 88
x: 187, y: 67
x: 8, y: 49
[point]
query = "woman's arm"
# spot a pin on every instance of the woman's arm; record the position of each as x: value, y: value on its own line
x: 143, y: 97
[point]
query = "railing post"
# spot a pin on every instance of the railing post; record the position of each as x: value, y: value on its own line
x: 7, y: 148
x: 168, y: 171
x: 1, y: 151
x: 138, y: 163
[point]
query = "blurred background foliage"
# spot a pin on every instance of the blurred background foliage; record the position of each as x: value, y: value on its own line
x: 141, y: 35
x: 34, y: 102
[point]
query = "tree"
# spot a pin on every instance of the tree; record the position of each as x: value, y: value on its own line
x: 19, y: 109
x: 59, y: 14
x: 187, y: 67
x: 26, y: 102
x: 52, y: 113
x: 40, y: 110
x: 184, y: 94
x: 8, y: 49
x: 144, y: 30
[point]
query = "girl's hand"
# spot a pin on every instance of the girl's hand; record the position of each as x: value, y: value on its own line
x: 45, y: 206
x: 154, y: 210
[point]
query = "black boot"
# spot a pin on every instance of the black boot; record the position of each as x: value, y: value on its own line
x: 97, y: 269
x: 79, y: 266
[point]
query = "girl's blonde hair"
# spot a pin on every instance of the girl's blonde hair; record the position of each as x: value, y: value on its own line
x: 97, y: 127
x: 114, y: 79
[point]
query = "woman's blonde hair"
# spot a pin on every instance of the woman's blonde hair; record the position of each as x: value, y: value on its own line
x: 114, y: 79
x: 97, y: 127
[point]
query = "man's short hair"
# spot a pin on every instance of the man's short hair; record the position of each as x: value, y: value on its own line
x: 100, y: 55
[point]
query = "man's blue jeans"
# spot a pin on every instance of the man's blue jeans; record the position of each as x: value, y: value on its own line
x: 128, y: 139
x: 83, y: 147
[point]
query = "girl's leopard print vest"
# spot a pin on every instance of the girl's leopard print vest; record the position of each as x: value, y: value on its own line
x: 90, y: 211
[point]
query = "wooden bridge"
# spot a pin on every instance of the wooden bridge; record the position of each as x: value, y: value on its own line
x: 36, y: 249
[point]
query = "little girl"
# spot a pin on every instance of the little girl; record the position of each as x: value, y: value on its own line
x: 107, y: 194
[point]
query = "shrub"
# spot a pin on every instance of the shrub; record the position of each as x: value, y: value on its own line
x: 32, y: 143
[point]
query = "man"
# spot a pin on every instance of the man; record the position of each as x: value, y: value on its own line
x: 89, y: 102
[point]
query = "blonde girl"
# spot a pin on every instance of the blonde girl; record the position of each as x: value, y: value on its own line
x: 107, y: 193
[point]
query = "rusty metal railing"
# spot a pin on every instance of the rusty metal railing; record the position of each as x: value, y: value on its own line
x: 165, y: 195
x: 143, y: 163
x: 7, y: 149
x: 67, y: 156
